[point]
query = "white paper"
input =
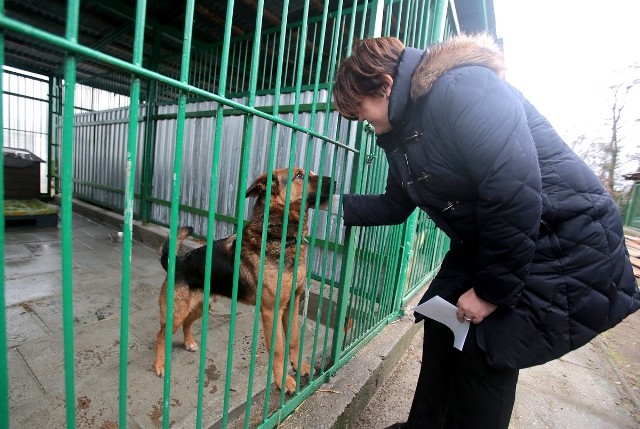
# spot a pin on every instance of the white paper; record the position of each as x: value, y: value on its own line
x: 444, y: 312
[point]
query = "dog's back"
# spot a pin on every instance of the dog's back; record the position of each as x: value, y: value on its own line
x: 183, y: 232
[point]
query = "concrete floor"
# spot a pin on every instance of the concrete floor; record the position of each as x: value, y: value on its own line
x: 35, y: 337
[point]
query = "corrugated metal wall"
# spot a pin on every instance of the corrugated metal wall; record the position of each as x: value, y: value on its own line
x: 100, y: 161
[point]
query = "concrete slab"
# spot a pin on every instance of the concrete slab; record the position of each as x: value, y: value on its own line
x: 23, y: 386
x: 15, y: 251
x: 52, y: 247
x: 30, y: 235
x: 90, y: 305
x: 24, y: 267
x: 31, y: 288
x: 23, y: 326
x: 96, y: 347
x: 92, y: 411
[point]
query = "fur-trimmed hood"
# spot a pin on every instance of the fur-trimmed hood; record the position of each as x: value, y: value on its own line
x: 461, y: 50
x: 418, y: 70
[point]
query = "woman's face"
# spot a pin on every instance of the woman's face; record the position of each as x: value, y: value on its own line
x: 375, y: 109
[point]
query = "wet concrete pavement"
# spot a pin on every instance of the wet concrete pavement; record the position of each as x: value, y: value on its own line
x: 33, y: 291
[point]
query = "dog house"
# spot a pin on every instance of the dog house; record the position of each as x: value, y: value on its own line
x: 21, y: 174
x: 160, y: 114
x: 22, y: 178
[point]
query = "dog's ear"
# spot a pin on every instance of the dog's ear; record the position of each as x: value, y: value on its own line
x: 258, y: 187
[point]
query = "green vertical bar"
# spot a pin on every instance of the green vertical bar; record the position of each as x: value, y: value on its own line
x: 4, y: 368
x: 134, y: 106
x: 375, y: 28
x: 408, y: 234
x: 348, y: 256
x: 244, y: 167
x: 66, y: 214
x: 50, y: 131
x: 263, y: 246
x: 399, y: 18
x: 300, y: 56
x: 335, y: 49
x: 57, y: 132
x: 146, y: 182
x: 312, y: 245
x: 213, y: 195
x: 631, y: 207
x: 440, y: 20
x: 175, y: 209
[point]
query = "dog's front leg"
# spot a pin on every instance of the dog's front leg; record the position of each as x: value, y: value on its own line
x: 268, y: 320
x: 294, y: 345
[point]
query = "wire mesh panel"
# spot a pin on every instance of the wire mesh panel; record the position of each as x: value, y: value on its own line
x: 221, y: 122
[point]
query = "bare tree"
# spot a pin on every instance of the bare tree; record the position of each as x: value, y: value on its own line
x: 612, y: 148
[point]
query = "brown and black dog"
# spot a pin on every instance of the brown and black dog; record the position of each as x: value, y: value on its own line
x: 190, y: 269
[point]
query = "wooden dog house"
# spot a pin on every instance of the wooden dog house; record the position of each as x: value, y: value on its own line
x: 21, y: 174
x: 22, y: 205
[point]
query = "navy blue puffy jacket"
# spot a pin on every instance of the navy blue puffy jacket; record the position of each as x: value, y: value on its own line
x: 532, y: 229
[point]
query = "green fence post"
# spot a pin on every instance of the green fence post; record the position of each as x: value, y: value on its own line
x: 73, y: 18
x: 349, y: 255
x: 631, y: 206
x: 4, y: 368
x: 148, y: 154
x: 175, y: 207
x: 440, y: 20
x: 408, y: 235
x: 132, y: 156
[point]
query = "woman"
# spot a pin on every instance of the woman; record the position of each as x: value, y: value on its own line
x: 537, y: 261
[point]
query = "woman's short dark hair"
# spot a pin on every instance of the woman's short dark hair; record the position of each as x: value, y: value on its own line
x: 361, y: 74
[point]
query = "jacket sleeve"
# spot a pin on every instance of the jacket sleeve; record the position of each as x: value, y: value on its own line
x: 486, y: 124
x: 391, y: 208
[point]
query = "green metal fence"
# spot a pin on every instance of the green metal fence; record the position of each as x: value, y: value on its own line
x: 632, y: 212
x: 359, y: 278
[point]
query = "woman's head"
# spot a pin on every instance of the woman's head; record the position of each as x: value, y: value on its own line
x: 365, y: 73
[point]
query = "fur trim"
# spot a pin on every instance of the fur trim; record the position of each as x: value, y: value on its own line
x: 461, y: 50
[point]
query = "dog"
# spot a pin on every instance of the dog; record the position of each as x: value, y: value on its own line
x: 190, y: 269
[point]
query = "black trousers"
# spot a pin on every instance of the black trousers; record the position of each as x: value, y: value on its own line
x: 458, y: 389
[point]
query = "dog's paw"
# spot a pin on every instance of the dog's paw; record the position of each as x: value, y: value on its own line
x: 159, y: 370
x: 291, y: 385
x: 191, y: 346
x: 305, y: 369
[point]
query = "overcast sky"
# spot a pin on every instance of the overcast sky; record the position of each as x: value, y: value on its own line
x: 565, y: 54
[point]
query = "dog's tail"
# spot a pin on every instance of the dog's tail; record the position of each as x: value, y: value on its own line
x: 183, y: 232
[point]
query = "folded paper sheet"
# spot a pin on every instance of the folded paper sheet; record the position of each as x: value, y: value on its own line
x: 442, y: 311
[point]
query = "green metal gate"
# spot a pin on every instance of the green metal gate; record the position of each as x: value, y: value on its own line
x: 271, y: 89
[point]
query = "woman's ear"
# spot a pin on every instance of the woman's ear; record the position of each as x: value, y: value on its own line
x: 387, y: 85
